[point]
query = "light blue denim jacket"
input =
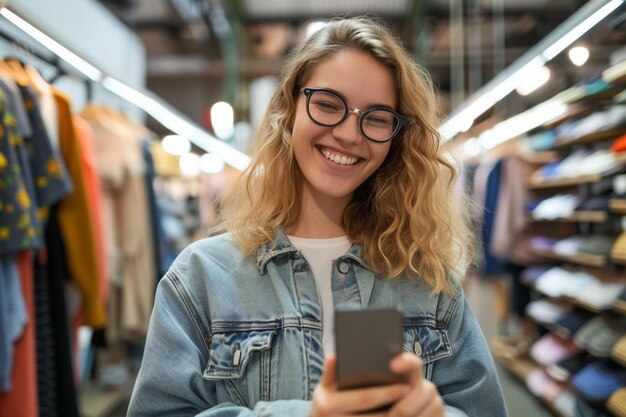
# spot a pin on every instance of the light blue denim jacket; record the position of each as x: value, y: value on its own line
x: 232, y: 336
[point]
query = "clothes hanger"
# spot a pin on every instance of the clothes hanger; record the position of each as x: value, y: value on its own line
x: 19, y: 72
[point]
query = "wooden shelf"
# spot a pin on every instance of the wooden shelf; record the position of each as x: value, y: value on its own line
x: 574, y: 111
x: 619, y: 307
x: 535, y: 184
x: 576, y: 302
x: 618, y: 205
x: 604, y: 95
x: 589, y: 138
x: 583, y: 216
x: 519, y: 367
x: 618, y: 359
x: 615, y: 74
x: 618, y: 260
x: 586, y: 259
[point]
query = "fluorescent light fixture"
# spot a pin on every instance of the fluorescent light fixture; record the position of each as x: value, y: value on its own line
x: 175, y: 145
x: 65, y: 54
x: 459, y: 122
x: 176, y: 122
x: 521, y: 123
x: 534, y: 81
x: 578, y: 55
x: 580, y: 29
x: 498, y: 88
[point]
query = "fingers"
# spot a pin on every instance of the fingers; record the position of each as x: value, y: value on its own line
x: 329, y: 373
x: 409, y: 365
x: 423, y: 401
x: 364, y: 399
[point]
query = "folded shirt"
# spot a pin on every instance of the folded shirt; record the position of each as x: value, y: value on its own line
x: 569, y: 246
x: 597, y: 245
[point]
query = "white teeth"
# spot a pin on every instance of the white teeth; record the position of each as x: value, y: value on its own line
x: 338, y: 159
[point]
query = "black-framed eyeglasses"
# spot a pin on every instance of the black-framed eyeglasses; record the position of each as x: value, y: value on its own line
x: 328, y: 108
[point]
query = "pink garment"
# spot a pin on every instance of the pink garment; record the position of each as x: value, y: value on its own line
x: 509, y: 240
x: 550, y: 349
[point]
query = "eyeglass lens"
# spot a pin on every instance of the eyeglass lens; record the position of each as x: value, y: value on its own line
x: 329, y: 109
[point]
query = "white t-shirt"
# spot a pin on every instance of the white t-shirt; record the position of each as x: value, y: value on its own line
x: 320, y: 254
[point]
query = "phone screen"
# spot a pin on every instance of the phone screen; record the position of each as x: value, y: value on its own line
x: 366, y: 340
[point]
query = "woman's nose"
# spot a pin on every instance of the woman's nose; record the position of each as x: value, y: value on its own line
x: 349, y: 131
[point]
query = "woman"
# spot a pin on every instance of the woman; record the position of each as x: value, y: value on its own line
x: 348, y: 201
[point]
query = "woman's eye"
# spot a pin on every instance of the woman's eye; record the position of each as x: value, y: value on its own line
x: 378, y: 121
x: 327, y: 106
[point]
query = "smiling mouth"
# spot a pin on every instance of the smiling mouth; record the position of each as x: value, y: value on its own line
x: 336, y: 158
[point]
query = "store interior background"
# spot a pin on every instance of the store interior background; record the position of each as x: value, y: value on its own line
x: 192, y: 54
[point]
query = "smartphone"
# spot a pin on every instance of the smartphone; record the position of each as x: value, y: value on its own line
x: 365, y: 342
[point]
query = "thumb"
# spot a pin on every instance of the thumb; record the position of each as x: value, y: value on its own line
x: 330, y: 371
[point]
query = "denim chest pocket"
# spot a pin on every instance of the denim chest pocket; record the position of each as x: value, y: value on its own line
x: 241, y: 360
x: 428, y: 342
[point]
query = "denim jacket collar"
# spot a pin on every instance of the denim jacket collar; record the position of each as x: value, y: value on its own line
x: 281, y: 245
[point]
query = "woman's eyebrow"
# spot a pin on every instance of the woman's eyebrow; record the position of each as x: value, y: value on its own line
x: 368, y: 106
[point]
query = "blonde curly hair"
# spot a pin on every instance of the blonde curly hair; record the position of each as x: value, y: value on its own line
x: 407, y: 216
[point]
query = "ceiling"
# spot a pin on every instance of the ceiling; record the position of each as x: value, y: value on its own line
x: 202, y: 51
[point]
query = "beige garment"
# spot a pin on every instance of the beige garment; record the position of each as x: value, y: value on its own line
x: 129, y: 242
x: 47, y: 105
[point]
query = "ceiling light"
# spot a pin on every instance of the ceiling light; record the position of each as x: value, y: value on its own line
x: 222, y: 120
x: 176, y: 122
x: 522, y: 123
x: 175, y: 145
x: 580, y: 29
x: 313, y: 27
x: 189, y: 164
x: 211, y: 164
x: 534, y: 81
x: 578, y: 55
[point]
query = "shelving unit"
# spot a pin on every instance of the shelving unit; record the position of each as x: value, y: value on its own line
x: 618, y: 205
x: 587, y: 259
x: 583, y: 216
x: 580, y: 104
x: 519, y: 368
x: 590, y: 138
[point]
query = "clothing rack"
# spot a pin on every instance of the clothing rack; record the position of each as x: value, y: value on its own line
x: 53, y: 61
x: 172, y: 119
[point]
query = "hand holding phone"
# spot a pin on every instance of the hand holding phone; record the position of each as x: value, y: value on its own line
x: 366, y: 340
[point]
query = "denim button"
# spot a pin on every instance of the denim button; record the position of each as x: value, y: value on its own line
x: 417, y: 348
x: 344, y: 268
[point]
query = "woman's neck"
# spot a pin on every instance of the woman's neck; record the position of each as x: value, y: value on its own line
x: 319, y: 217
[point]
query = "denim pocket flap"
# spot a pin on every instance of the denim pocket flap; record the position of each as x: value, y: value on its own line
x: 427, y: 342
x: 231, y: 352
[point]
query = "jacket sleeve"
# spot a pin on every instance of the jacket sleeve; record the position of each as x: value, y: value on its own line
x: 170, y: 381
x: 467, y: 380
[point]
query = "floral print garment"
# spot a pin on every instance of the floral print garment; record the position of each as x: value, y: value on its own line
x: 19, y: 227
x: 50, y: 176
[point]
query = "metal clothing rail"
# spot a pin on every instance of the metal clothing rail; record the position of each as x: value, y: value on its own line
x: 53, y: 61
x: 146, y: 100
